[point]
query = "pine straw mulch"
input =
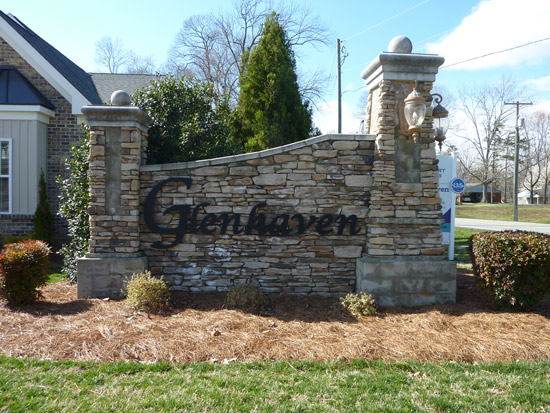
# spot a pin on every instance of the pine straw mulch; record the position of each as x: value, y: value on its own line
x: 312, y: 328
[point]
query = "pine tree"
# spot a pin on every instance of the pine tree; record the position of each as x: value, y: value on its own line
x: 43, y: 218
x: 270, y: 111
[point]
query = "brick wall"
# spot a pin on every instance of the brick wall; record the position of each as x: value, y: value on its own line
x: 16, y: 225
x: 323, y: 177
x: 63, y: 131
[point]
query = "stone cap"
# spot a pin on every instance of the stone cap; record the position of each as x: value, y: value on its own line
x: 256, y: 155
x: 432, y: 259
x: 117, y: 115
x: 405, y: 221
x: 402, y: 66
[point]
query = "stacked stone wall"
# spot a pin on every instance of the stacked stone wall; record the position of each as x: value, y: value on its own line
x: 403, y: 216
x: 327, y: 177
x: 63, y: 132
x: 114, y: 212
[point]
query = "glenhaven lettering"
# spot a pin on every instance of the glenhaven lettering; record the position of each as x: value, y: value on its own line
x: 280, y: 225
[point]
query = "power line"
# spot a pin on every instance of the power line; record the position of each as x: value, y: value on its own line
x: 414, y: 45
x: 431, y: 37
x: 494, y: 53
x: 354, y: 90
x: 387, y: 20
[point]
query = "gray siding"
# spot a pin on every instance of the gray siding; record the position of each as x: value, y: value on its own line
x: 29, y: 151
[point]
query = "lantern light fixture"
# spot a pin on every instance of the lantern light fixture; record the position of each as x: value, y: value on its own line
x: 413, y: 111
x: 441, y: 119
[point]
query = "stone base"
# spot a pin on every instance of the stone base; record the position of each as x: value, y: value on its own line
x: 407, y: 281
x: 101, y: 277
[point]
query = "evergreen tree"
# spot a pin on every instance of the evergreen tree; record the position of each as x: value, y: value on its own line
x: 43, y: 218
x: 270, y: 111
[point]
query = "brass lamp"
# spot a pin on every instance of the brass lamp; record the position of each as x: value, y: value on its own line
x: 441, y: 120
x: 414, y: 111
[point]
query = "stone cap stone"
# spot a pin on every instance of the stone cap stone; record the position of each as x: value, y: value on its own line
x: 406, y: 221
x: 402, y: 66
x: 260, y: 154
x: 115, y: 116
x: 406, y: 258
x: 105, y: 255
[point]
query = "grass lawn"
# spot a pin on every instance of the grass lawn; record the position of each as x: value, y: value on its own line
x: 55, y: 276
x: 504, y: 212
x: 462, y: 235
x: 30, y: 385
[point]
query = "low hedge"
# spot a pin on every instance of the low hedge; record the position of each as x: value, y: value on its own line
x: 512, y: 267
x: 23, y: 271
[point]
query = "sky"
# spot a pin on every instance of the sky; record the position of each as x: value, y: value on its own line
x: 458, y: 30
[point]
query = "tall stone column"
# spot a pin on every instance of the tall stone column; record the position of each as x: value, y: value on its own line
x: 404, y: 262
x: 118, y: 140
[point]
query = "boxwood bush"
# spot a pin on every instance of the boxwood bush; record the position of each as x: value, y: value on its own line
x: 512, y: 267
x: 23, y: 271
x: 145, y: 292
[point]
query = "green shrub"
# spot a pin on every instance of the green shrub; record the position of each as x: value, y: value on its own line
x: 43, y: 218
x: 512, y: 268
x: 73, y: 206
x: 359, y: 304
x: 147, y: 293
x: 23, y: 271
x: 245, y: 296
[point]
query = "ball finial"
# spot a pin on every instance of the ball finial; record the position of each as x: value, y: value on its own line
x: 120, y: 98
x: 400, y: 44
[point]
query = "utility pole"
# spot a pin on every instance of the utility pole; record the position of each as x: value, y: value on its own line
x: 516, y: 155
x: 339, y: 86
x: 340, y: 57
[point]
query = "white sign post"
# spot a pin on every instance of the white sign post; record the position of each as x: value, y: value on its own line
x: 447, y: 174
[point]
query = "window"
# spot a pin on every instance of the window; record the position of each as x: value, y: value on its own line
x: 5, y: 176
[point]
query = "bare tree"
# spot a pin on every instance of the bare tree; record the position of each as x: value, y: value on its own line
x: 536, y: 162
x: 199, y: 51
x: 111, y: 54
x: 483, y: 106
x: 138, y: 65
x: 211, y: 47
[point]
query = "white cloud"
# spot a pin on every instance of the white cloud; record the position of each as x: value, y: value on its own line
x: 538, y: 106
x: 496, y: 25
x: 326, y: 118
x: 542, y: 84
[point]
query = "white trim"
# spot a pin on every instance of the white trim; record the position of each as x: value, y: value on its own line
x: 26, y: 112
x: 10, y: 175
x: 42, y: 66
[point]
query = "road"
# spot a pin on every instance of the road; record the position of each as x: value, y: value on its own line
x: 501, y: 225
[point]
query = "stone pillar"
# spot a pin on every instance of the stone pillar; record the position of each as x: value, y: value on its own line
x: 118, y: 140
x: 404, y: 262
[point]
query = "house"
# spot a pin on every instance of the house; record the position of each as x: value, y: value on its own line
x: 524, y: 197
x: 41, y: 96
x: 474, y: 194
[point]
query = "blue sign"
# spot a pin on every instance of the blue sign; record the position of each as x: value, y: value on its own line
x: 458, y: 185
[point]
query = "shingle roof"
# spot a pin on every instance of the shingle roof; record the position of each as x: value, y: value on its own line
x: 478, y: 188
x: 69, y: 70
x: 107, y: 83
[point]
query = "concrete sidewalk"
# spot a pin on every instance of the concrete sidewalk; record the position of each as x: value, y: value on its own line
x: 501, y: 225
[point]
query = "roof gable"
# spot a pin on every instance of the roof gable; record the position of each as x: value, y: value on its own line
x: 68, y: 78
x: 15, y: 89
